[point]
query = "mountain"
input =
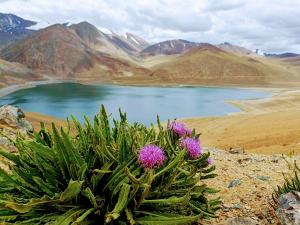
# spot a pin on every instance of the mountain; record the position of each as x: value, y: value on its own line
x: 208, y: 64
x: 58, y: 50
x: 170, y: 47
x: 124, y: 47
x: 226, y: 46
x: 55, y: 49
x: 282, y: 55
x: 13, y: 28
x: 135, y: 42
x: 87, y: 32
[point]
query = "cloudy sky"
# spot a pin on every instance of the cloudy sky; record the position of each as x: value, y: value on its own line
x: 269, y: 25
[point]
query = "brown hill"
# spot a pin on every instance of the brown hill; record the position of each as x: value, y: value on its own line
x: 208, y: 64
x: 54, y: 50
x: 294, y: 61
x: 102, y: 42
x: 15, y: 73
x: 87, y: 32
x: 127, y: 46
x: 58, y: 50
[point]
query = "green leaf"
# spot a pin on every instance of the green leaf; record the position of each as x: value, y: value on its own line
x: 71, y: 191
x: 171, y: 165
x: 12, y: 157
x: 168, y: 201
x: 83, y: 216
x: 26, y: 207
x: 69, y: 217
x: 121, y: 204
x: 162, y: 219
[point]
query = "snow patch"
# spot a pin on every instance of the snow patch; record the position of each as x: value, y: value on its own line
x: 172, y: 45
x: 40, y: 25
x: 105, y: 30
x: 125, y: 36
x: 134, y: 40
x: 68, y: 24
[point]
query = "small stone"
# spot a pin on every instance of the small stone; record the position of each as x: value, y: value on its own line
x: 289, y: 208
x: 247, y: 207
x: 236, y: 151
x: 241, y: 221
x: 276, y: 158
x: 234, y: 183
x: 240, y: 161
x: 4, y: 141
x: 237, y: 206
x: 263, y: 178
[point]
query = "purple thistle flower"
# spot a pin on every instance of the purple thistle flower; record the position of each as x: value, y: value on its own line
x: 192, y: 146
x: 209, y: 160
x: 151, y: 156
x: 180, y: 129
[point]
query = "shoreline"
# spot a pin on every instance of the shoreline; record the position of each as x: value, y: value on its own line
x: 264, y: 126
x: 16, y: 87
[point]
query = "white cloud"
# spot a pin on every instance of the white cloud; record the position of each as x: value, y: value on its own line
x: 270, y: 25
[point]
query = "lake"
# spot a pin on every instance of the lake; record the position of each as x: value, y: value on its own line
x: 141, y: 104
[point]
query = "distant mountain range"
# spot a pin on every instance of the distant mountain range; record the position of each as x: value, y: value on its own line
x: 82, y: 52
x: 282, y: 55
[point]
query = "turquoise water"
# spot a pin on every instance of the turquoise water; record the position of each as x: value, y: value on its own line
x: 141, y: 104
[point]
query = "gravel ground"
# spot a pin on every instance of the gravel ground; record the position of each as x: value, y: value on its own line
x: 246, y: 183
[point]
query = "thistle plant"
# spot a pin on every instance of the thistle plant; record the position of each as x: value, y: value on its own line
x: 107, y: 172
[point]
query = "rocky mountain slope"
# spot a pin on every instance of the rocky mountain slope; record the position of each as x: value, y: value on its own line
x: 102, y: 42
x: 13, y: 28
x: 170, y: 47
x: 60, y: 51
x: 135, y: 41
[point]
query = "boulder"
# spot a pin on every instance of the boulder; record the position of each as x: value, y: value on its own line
x: 289, y: 208
x: 12, y: 121
x: 14, y: 117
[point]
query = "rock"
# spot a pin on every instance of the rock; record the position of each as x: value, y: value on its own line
x: 248, y: 159
x: 234, y: 183
x: 237, y: 206
x: 4, y: 141
x: 241, y: 221
x: 12, y: 121
x: 14, y: 117
x: 275, y: 159
x: 289, y: 208
x: 263, y: 178
x: 236, y: 151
